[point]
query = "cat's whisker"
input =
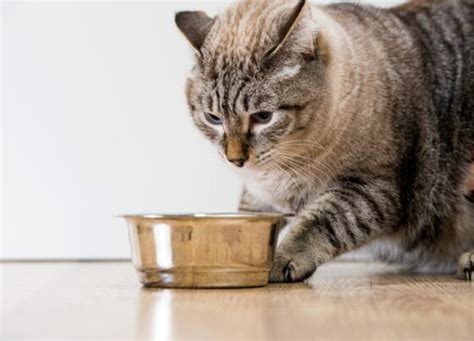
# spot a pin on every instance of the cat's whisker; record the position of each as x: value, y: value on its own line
x: 305, y: 145
x: 312, y: 142
x: 302, y: 143
x: 304, y: 171
x: 285, y: 168
x: 308, y: 144
x: 306, y: 161
x: 289, y: 175
x: 327, y: 160
x: 294, y: 166
x: 321, y: 174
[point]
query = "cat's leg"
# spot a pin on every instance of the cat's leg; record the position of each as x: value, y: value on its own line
x: 466, y: 266
x: 350, y: 213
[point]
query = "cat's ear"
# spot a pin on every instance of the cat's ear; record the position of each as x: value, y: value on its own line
x: 288, y: 24
x: 195, y: 26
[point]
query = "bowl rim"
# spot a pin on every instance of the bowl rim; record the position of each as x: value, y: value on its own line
x: 223, y: 215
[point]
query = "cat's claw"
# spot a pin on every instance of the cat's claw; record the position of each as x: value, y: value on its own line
x: 287, y: 273
x: 468, y: 274
x: 466, y: 266
x: 289, y: 269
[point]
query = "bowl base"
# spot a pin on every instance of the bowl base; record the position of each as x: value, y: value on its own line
x: 221, y: 278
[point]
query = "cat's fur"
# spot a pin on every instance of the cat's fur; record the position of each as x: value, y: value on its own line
x: 371, y: 144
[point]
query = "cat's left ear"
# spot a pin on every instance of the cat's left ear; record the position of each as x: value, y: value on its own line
x: 195, y: 26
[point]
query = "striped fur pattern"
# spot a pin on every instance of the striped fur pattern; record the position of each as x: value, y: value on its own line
x: 372, y: 130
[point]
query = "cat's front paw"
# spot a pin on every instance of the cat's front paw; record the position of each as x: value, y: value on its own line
x: 291, y: 267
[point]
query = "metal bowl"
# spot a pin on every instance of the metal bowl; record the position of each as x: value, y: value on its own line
x: 204, y: 250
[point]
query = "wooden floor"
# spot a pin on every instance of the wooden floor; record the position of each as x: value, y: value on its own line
x: 343, y: 301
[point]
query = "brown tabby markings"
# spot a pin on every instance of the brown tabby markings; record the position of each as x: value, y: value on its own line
x: 373, y: 128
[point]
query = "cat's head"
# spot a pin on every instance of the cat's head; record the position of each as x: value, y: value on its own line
x: 258, y: 79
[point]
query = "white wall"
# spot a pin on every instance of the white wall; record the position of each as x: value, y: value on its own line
x: 94, y: 123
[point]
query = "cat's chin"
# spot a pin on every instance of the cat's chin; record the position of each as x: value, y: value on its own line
x: 252, y: 171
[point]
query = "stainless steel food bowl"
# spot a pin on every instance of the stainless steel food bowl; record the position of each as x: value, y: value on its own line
x: 204, y: 250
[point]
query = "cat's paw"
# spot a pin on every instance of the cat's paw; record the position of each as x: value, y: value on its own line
x: 466, y: 266
x: 291, y: 267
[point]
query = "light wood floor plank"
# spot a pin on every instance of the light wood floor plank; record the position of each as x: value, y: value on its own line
x: 344, y: 300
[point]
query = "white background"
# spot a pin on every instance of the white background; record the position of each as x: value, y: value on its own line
x: 94, y: 123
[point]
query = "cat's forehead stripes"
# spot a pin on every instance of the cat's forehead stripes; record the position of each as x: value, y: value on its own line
x: 247, y: 26
x: 229, y: 94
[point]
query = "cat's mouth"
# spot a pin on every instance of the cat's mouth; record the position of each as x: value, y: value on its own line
x: 265, y: 160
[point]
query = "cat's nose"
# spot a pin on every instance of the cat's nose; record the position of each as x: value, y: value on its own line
x: 238, y: 162
x: 236, y: 150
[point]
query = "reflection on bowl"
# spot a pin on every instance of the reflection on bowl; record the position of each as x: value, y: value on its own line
x: 204, y: 250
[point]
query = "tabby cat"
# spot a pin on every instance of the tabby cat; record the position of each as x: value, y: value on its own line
x: 360, y: 120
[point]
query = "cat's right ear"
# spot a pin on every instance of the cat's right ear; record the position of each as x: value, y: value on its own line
x: 284, y: 31
x: 195, y: 26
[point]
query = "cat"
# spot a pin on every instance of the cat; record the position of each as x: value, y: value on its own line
x: 357, y: 119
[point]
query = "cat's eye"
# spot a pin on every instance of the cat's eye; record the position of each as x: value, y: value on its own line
x: 212, y: 119
x: 262, y: 117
